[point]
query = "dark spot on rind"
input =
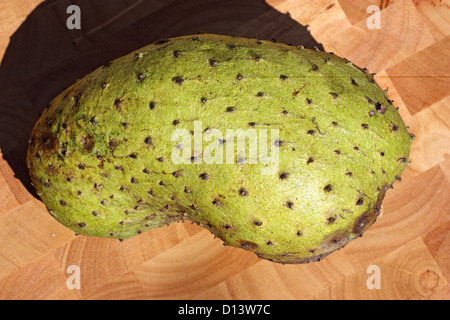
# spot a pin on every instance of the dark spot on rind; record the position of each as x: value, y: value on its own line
x: 176, y: 174
x: 370, y: 100
x: 162, y: 41
x: 284, y: 176
x: 87, y: 143
x: 118, y: 104
x: 242, y: 192
x: 278, y: 143
x: 380, y: 108
x: 49, y: 142
x: 290, y: 204
x: 369, y: 217
x: 178, y: 80
x: 148, y: 141
x: 248, y: 244
x: 328, y: 188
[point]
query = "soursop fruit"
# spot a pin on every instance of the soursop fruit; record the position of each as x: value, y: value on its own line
x: 143, y: 141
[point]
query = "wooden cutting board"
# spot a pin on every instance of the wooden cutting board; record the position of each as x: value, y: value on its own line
x: 407, y: 251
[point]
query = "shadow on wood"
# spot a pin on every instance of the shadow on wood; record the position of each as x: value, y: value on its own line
x: 44, y: 56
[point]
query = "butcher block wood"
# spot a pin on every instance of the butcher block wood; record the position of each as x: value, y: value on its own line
x: 409, y: 245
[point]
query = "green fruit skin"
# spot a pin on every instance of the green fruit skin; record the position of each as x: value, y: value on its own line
x: 100, y: 154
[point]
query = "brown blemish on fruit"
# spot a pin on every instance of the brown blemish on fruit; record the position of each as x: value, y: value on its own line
x: 334, y: 241
x: 178, y: 80
x: 257, y: 223
x: 112, y: 144
x: 87, y: 143
x: 148, y: 141
x: 118, y: 104
x: 248, y: 244
x: 334, y: 95
x: 369, y: 217
x: 284, y: 176
x: 176, y: 173
x: 290, y: 204
x: 243, y: 192
x: 48, y: 142
x: 380, y: 108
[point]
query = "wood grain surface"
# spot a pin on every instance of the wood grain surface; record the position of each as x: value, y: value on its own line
x: 409, y: 244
